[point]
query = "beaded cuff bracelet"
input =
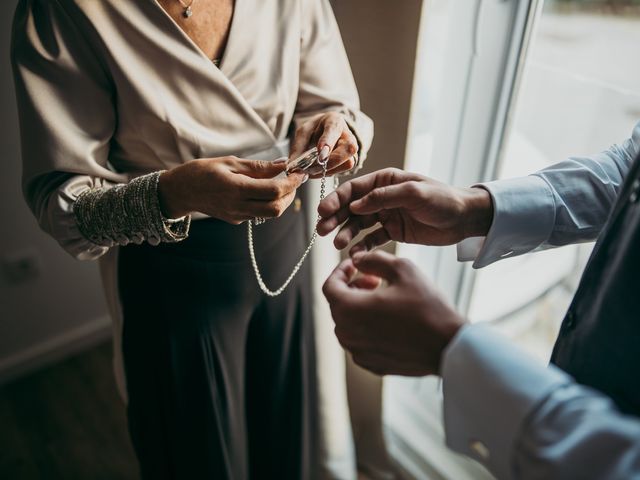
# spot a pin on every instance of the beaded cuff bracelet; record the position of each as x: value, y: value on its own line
x: 127, y: 213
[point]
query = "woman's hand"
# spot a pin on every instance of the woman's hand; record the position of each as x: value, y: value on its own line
x: 228, y: 188
x: 332, y: 136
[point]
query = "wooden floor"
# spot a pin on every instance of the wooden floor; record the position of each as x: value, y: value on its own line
x: 66, y: 422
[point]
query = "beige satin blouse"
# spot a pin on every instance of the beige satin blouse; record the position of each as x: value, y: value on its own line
x: 111, y: 89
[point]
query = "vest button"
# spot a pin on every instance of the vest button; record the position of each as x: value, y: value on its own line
x: 570, y: 321
x: 480, y: 449
x: 635, y: 191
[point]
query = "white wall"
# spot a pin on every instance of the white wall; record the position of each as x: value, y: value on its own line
x: 62, y: 308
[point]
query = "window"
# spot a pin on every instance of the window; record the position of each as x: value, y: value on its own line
x: 503, y: 89
x: 579, y: 94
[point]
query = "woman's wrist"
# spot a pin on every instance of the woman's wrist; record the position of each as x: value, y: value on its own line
x: 478, y: 212
x: 127, y: 213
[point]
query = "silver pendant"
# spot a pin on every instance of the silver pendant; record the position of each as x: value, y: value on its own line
x: 187, y: 12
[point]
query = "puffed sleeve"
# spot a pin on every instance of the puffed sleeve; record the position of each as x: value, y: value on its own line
x: 66, y: 107
x: 326, y: 81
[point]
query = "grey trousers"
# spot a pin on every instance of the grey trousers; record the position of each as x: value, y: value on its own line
x: 221, y: 378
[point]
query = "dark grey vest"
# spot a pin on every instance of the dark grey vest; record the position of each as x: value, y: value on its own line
x: 599, y: 341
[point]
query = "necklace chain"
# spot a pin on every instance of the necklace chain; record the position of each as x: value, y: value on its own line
x: 263, y: 286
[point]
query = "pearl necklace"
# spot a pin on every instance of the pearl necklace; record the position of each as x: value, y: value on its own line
x: 263, y: 286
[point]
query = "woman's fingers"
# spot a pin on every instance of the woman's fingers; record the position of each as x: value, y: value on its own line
x: 270, y: 189
x: 343, y: 167
x: 302, y: 139
x: 334, y: 141
x: 259, y: 168
x: 236, y: 190
x: 266, y: 209
x: 345, y: 149
x: 325, y: 130
x: 332, y: 126
x: 342, y: 158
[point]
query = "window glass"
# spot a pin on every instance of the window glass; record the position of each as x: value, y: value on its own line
x: 579, y: 94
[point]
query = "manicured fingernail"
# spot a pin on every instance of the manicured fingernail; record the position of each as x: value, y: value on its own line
x: 280, y: 161
x: 304, y: 180
x: 324, y: 153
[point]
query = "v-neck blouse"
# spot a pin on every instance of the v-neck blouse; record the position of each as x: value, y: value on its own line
x: 114, y: 89
x: 108, y: 90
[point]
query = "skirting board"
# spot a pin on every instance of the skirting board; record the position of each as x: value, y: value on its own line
x: 55, y: 349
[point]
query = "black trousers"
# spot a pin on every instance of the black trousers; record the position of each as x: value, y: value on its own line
x: 221, y: 378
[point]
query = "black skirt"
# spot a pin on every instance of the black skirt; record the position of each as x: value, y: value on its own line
x: 220, y: 377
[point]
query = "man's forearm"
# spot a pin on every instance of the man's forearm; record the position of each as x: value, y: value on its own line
x: 523, y: 420
x: 490, y: 388
x: 568, y: 202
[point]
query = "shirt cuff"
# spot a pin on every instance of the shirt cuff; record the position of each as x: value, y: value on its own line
x: 490, y: 387
x: 469, y: 248
x: 523, y: 219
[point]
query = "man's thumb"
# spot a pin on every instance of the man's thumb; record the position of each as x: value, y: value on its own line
x: 378, y: 263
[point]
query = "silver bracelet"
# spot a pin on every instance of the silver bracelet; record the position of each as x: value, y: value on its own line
x: 127, y: 213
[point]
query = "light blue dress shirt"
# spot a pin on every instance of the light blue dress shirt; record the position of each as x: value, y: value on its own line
x: 518, y: 418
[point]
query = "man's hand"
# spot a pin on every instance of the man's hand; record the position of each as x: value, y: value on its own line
x: 410, y: 208
x: 332, y: 136
x: 401, y: 328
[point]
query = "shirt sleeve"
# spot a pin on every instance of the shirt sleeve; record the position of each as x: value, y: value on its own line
x: 525, y: 421
x: 66, y: 107
x: 320, y: 92
x: 568, y: 202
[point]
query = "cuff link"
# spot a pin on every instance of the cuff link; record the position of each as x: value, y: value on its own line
x: 635, y: 191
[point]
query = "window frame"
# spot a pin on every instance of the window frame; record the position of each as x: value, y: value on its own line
x: 487, y: 44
